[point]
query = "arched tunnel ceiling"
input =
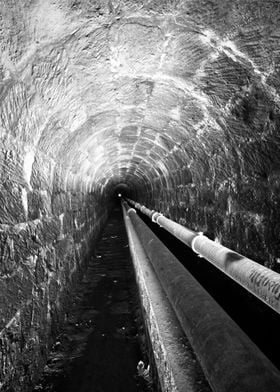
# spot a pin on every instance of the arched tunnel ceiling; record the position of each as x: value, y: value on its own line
x: 126, y: 92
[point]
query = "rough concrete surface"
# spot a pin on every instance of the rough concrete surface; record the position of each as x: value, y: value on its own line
x: 177, y: 99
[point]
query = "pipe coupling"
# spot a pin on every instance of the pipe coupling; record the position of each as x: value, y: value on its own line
x: 155, y: 217
x: 131, y: 210
x: 199, y: 235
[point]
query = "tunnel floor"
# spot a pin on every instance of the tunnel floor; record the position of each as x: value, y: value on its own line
x: 103, y: 339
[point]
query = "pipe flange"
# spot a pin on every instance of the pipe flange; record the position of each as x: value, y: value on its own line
x: 131, y: 210
x: 155, y: 216
x: 199, y: 234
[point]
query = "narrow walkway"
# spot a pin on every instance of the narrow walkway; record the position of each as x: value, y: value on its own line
x: 101, y: 345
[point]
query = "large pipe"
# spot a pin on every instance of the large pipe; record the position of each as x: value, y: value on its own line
x: 177, y: 367
x: 255, y: 278
x: 230, y: 360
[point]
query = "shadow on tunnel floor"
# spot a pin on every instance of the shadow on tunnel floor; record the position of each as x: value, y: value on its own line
x: 103, y: 339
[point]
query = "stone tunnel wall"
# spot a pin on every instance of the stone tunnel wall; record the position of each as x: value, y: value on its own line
x: 40, y: 260
x: 223, y: 177
x: 177, y: 99
x: 49, y: 217
x: 233, y: 198
x: 230, y: 189
x: 48, y: 230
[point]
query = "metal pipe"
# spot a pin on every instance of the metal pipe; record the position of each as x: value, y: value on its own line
x: 230, y: 360
x: 255, y: 278
x: 177, y: 366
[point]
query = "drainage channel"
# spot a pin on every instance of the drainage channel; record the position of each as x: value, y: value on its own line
x: 103, y: 340
x: 257, y: 320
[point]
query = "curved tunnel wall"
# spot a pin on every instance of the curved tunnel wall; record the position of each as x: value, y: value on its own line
x: 179, y: 100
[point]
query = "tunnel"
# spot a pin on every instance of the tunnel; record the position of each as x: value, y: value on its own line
x: 173, y: 104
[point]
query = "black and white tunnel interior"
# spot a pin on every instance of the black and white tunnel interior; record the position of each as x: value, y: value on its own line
x: 139, y: 195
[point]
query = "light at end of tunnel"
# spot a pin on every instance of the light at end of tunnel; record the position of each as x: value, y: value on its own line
x: 119, y: 195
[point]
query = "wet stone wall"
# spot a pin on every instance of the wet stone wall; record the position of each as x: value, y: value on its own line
x: 47, y: 231
x: 243, y: 215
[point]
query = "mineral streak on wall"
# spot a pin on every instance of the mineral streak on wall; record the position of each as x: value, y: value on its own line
x: 177, y: 100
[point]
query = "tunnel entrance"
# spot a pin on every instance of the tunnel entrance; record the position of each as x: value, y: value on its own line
x: 103, y: 339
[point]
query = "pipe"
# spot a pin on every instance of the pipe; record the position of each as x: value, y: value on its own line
x: 177, y: 366
x: 230, y: 360
x: 255, y: 278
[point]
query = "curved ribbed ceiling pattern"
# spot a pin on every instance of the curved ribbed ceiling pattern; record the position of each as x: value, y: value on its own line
x: 127, y: 92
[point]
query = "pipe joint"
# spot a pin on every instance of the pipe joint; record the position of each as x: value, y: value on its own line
x: 155, y: 217
x: 131, y: 210
x: 199, y: 235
